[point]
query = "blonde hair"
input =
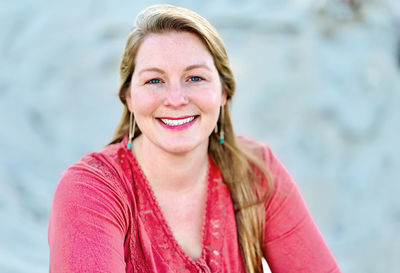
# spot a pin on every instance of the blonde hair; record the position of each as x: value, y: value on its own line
x: 242, y: 171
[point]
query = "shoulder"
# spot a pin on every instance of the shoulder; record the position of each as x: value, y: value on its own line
x: 262, y: 151
x: 100, y: 162
x: 96, y: 170
x: 254, y: 147
x: 283, y: 184
x: 94, y: 186
x: 104, y: 161
x: 259, y: 150
x: 90, y: 213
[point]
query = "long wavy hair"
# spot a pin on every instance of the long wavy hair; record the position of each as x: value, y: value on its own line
x: 242, y: 171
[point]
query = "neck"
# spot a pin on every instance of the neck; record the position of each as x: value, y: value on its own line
x: 171, y: 172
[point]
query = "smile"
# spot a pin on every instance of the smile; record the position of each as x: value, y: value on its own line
x: 177, y: 122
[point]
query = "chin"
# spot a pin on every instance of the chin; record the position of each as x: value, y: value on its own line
x: 181, y: 147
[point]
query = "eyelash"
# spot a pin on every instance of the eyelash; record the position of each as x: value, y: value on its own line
x: 198, y: 79
x: 152, y: 81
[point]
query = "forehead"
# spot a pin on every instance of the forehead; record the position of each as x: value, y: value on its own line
x: 173, y: 49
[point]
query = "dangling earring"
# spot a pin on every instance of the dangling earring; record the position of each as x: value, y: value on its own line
x: 131, y: 130
x: 221, y: 134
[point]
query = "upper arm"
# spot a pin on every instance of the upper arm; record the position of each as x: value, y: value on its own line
x: 293, y: 242
x: 87, y: 224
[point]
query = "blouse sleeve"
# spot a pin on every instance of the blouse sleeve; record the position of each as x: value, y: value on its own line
x: 87, y: 223
x: 293, y: 242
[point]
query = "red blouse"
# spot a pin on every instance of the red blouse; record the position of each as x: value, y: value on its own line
x: 105, y: 218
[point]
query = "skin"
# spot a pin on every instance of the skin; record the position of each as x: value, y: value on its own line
x: 175, y: 77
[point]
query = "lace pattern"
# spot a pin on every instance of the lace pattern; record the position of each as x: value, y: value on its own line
x: 160, y: 235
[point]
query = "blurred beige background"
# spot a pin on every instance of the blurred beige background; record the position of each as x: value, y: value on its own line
x: 319, y: 81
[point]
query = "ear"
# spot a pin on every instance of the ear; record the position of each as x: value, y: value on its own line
x: 224, y: 96
x: 128, y: 99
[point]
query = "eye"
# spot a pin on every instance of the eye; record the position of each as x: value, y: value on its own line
x: 196, y: 79
x: 153, y: 81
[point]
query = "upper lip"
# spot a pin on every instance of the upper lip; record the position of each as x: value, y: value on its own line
x: 176, y: 118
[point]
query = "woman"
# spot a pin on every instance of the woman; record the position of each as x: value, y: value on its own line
x: 176, y: 190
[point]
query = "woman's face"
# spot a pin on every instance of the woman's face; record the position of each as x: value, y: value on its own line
x: 175, y: 92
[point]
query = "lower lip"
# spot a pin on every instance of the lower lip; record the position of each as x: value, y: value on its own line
x: 178, y: 127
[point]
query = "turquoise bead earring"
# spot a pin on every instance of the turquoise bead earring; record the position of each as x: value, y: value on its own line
x: 221, y: 134
x: 131, y: 130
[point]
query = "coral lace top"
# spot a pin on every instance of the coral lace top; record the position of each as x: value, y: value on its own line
x: 105, y: 218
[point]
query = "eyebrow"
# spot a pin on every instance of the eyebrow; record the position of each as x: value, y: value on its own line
x: 194, y: 66
x: 188, y: 68
x: 152, y: 69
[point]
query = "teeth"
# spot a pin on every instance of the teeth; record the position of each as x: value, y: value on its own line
x: 176, y: 122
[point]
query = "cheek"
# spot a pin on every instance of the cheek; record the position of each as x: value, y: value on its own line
x: 208, y: 99
x: 144, y: 102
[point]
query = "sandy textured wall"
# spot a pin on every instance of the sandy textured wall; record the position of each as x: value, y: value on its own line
x: 318, y: 81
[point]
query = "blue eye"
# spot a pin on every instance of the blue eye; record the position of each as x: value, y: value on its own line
x: 195, y: 79
x: 154, y: 81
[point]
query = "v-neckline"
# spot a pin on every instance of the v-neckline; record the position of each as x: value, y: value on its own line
x: 163, y: 222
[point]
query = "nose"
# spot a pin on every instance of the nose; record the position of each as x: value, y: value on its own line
x: 176, y: 96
